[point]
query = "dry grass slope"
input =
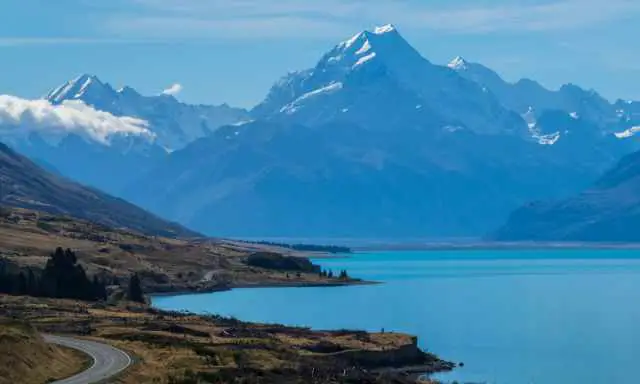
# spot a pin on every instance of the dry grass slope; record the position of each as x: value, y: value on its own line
x: 25, y: 358
x: 165, y: 264
x: 183, y: 348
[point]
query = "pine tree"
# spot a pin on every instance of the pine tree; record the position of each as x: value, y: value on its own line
x: 135, y: 289
x: 99, y: 289
x: 22, y: 286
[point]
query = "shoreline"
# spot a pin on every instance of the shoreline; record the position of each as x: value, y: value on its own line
x: 496, y: 246
x: 215, y: 289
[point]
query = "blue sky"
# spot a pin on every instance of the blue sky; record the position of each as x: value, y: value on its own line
x: 233, y: 50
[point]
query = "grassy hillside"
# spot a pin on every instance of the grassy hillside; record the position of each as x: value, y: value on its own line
x: 172, y: 348
x: 26, y: 358
x: 165, y: 264
x: 25, y: 184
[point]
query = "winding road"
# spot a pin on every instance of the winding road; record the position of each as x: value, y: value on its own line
x: 107, y: 360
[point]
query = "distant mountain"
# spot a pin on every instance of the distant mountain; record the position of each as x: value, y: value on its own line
x: 103, y: 137
x: 374, y: 141
x: 528, y: 94
x: 174, y: 124
x: 94, y: 147
x: 531, y: 100
x: 343, y: 180
x: 107, y: 167
x: 24, y: 184
x: 608, y: 211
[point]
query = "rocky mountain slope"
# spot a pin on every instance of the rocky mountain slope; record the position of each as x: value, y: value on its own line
x: 374, y: 141
x: 24, y: 184
x: 607, y: 211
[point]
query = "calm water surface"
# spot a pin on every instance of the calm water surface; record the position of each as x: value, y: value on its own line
x: 513, y: 317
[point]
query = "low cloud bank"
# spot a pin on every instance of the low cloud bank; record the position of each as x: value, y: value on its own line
x: 21, y: 116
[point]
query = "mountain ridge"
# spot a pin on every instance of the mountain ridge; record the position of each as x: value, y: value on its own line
x: 26, y: 185
x: 174, y: 123
x: 607, y: 211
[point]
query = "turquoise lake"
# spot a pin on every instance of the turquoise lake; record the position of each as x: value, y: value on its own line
x: 513, y: 317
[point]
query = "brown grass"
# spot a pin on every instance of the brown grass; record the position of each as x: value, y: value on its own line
x: 28, y: 237
x: 26, y: 358
x: 173, y: 346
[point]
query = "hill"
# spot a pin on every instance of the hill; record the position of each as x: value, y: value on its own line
x: 164, y: 264
x: 26, y: 358
x: 607, y: 211
x: 25, y: 184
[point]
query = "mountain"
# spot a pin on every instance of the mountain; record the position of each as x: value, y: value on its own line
x: 528, y: 95
x: 24, y: 184
x: 174, y: 124
x: 374, y: 141
x: 106, y: 167
x: 94, y: 147
x: 607, y: 211
x: 342, y: 180
x: 102, y: 137
x: 378, y: 80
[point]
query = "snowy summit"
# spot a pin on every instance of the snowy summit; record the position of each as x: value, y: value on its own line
x: 389, y: 28
x: 458, y: 64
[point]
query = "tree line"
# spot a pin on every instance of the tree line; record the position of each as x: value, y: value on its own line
x: 62, y: 277
x: 308, y: 247
x: 329, y: 274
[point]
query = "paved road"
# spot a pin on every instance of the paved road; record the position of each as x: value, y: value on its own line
x: 107, y: 360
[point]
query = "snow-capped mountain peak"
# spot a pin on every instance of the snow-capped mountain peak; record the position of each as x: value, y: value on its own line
x: 383, y: 45
x: 381, y: 50
x: 388, y: 28
x: 458, y: 64
x: 378, y: 69
x: 82, y: 87
x: 173, y: 123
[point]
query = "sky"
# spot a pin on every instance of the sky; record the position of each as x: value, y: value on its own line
x: 217, y: 51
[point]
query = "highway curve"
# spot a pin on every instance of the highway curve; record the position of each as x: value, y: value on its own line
x: 107, y: 360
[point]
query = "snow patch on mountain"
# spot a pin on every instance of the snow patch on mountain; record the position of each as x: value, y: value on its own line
x: 364, y: 59
x: 20, y: 117
x: 541, y: 138
x: 295, y: 105
x: 627, y: 133
x: 366, y: 47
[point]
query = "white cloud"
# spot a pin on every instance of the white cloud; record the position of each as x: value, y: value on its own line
x: 21, y: 116
x: 173, y: 89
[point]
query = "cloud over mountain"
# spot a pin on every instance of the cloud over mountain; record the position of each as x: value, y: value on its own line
x: 22, y: 116
x: 173, y: 89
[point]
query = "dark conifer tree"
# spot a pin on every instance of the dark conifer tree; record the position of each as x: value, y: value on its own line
x: 135, y: 289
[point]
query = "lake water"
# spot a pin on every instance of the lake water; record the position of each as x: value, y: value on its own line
x: 513, y: 317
